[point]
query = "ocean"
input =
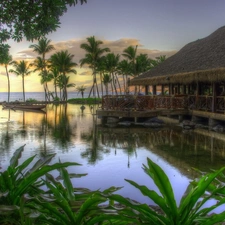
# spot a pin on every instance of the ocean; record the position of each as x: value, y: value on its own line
x: 39, y: 96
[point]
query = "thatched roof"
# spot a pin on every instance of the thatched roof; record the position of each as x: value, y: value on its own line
x: 201, y: 60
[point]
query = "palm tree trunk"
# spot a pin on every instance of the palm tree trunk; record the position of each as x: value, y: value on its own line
x: 114, y: 84
x: 118, y: 83
x: 91, y: 90
x: 23, y: 88
x: 101, y: 83
x: 8, y: 82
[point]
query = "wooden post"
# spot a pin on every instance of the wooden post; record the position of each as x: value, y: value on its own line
x: 146, y: 89
x: 162, y: 89
x: 154, y: 89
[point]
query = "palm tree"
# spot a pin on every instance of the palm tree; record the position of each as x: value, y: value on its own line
x: 111, y: 63
x: 92, y: 56
x: 62, y: 61
x: 143, y: 63
x: 21, y: 68
x: 54, y: 74
x: 42, y: 48
x: 124, y: 68
x: 130, y: 53
x: 81, y: 90
x: 6, y: 60
x: 106, y: 79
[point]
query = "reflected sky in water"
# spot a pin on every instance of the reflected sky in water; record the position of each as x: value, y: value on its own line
x: 110, y: 154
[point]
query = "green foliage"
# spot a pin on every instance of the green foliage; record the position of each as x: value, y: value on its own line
x: 191, y: 209
x: 31, y: 100
x: 24, y: 201
x: 19, y: 180
x: 87, y: 101
x: 31, y: 19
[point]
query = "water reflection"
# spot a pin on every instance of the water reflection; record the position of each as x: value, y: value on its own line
x: 197, y: 148
x: 107, y: 154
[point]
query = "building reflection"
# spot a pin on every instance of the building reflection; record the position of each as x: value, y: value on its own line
x: 198, y: 148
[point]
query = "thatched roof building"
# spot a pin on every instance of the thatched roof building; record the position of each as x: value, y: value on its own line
x: 202, y: 60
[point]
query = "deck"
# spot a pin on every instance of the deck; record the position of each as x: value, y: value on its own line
x: 150, y: 106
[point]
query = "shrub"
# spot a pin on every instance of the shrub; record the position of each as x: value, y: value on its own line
x: 191, y: 209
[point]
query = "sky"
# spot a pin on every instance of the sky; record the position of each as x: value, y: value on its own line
x: 158, y: 27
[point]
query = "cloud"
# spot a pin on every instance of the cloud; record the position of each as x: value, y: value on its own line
x: 73, y: 47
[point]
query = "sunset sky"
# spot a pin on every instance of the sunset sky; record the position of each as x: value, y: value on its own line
x: 158, y: 27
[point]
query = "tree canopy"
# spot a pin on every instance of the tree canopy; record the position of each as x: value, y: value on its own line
x: 31, y: 19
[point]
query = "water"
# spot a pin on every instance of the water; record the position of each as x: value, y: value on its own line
x: 39, y: 96
x: 110, y: 154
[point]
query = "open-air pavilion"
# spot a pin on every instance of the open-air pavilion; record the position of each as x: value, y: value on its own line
x: 192, y: 81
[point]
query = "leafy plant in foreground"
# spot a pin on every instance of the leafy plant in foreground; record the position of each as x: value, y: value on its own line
x: 63, y: 204
x: 19, y: 180
x: 191, y: 209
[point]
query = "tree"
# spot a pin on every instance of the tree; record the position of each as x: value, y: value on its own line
x: 124, y: 68
x: 54, y: 74
x: 21, y: 68
x: 106, y: 79
x: 81, y: 90
x: 6, y: 59
x: 63, y: 62
x: 111, y: 63
x: 42, y: 48
x: 31, y: 19
x: 130, y: 53
x: 92, y: 56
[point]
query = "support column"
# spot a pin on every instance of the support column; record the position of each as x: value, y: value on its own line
x: 162, y: 89
x: 154, y: 89
x: 146, y: 89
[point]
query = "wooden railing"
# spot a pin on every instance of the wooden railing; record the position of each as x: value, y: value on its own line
x: 133, y: 102
x: 192, y: 102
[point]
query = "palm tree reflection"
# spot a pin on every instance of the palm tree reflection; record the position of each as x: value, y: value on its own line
x: 95, y: 151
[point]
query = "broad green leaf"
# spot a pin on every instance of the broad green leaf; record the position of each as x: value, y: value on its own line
x: 41, y: 162
x: 38, y: 174
x: 188, y: 202
x: 144, y: 211
x: 153, y: 196
x: 16, y: 156
x: 163, y: 184
x: 67, y: 183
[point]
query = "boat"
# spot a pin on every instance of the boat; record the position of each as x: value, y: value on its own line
x: 24, y: 106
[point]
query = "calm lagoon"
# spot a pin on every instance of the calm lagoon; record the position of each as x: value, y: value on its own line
x: 110, y: 154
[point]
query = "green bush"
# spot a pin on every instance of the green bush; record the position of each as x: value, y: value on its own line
x: 31, y: 100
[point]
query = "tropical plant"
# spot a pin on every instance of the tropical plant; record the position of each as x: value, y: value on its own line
x: 92, y: 57
x: 124, y: 68
x: 6, y: 59
x: 111, y: 63
x: 63, y: 62
x: 21, y: 68
x: 191, y: 209
x: 81, y: 89
x: 31, y: 19
x: 43, y: 47
x: 106, y: 79
x: 54, y: 74
x: 69, y: 205
x: 130, y: 53
x: 155, y: 62
x: 19, y: 181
